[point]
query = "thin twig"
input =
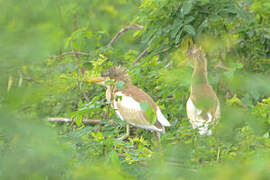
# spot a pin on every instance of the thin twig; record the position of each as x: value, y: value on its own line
x: 75, y: 27
x: 85, y: 97
x: 66, y: 120
x: 115, y: 38
x: 71, y: 53
x: 144, y: 52
x: 218, y: 154
x: 141, y: 55
x: 162, y: 51
x: 123, y: 30
x: 221, y: 66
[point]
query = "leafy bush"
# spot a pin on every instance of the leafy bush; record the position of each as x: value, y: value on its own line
x: 49, y: 47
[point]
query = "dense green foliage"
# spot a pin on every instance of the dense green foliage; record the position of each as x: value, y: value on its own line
x: 42, y: 76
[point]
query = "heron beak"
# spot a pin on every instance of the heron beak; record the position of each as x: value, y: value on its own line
x: 95, y: 80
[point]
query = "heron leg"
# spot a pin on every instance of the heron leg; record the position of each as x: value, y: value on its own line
x: 126, y: 135
x: 157, y: 135
x: 156, y: 143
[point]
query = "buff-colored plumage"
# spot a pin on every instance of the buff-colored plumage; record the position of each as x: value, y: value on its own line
x: 203, y: 107
x: 126, y: 102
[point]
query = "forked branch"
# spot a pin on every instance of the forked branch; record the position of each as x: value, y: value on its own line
x: 123, y: 30
x: 141, y: 55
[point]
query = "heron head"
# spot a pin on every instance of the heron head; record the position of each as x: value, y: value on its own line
x: 115, y: 73
x: 196, y: 56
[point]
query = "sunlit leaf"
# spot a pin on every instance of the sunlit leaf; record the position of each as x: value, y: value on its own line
x: 149, y: 111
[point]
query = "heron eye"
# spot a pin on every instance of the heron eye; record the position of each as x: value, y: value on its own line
x: 103, y: 74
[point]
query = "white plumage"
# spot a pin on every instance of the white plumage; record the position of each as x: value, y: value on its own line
x: 127, y: 102
x: 135, y: 112
x: 160, y: 117
x: 197, y: 122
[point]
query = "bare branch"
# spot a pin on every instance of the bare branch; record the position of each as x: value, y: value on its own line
x: 85, y: 97
x: 71, y: 53
x: 123, y: 30
x: 28, y: 78
x: 162, y: 51
x: 115, y: 38
x: 141, y: 55
x: 66, y: 120
x: 218, y: 154
x: 75, y: 27
x: 221, y: 66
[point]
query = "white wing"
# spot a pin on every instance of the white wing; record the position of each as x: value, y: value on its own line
x: 217, y: 114
x: 160, y: 117
x: 193, y: 114
x: 196, y: 120
x: 130, y: 110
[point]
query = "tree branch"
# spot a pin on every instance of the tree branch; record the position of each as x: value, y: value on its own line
x: 71, y: 53
x: 162, y: 51
x: 141, y: 55
x: 66, y: 120
x: 221, y: 66
x: 115, y: 38
x: 75, y: 27
x: 123, y: 30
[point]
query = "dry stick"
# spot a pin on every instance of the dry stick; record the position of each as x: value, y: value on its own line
x: 86, y: 97
x: 218, y: 154
x: 75, y: 27
x: 162, y: 51
x: 221, y: 66
x: 66, y: 120
x: 123, y: 30
x: 115, y: 38
x: 71, y: 53
x: 141, y: 55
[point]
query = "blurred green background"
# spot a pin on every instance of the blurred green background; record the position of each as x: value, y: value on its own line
x: 42, y: 77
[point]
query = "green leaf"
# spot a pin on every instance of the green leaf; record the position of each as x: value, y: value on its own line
x: 115, y: 159
x: 144, y: 105
x: 149, y: 111
x: 229, y: 74
x: 78, y: 121
x: 120, y: 85
x: 189, y: 19
x: 177, y: 24
x: 190, y: 30
x: 178, y: 37
x: 214, y: 18
x: 266, y: 135
x: 186, y: 8
x: 204, y: 1
x: 203, y: 25
x: 89, y: 34
x: 234, y: 101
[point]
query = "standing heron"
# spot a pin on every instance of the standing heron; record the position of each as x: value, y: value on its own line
x: 130, y: 103
x: 203, y: 107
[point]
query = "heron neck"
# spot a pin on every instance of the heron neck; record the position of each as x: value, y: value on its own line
x: 108, y: 93
x: 199, y: 75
